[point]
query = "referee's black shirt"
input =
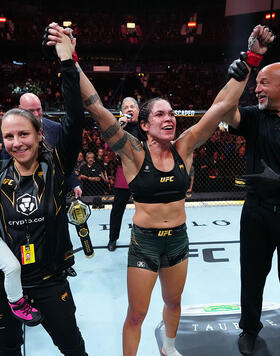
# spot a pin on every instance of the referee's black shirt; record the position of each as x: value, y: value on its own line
x: 261, y: 129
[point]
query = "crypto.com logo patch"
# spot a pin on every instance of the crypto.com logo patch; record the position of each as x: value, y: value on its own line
x: 26, y: 204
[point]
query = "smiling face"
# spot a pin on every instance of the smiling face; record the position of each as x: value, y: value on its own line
x: 268, y: 87
x: 21, y: 140
x: 161, y: 124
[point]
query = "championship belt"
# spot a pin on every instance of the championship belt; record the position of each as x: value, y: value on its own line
x: 78, y: 213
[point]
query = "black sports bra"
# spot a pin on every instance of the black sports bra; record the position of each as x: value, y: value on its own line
x: 154, y: 186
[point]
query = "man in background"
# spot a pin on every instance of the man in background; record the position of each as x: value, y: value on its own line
x: 129, y: 122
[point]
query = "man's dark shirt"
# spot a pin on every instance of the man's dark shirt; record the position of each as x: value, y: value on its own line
x: 89, y: 187
x: 261, y: 129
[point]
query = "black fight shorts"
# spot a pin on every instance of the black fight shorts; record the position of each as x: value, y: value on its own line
x: 153, y: 249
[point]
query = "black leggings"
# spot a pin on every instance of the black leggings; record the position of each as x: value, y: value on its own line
x: 54, y: 300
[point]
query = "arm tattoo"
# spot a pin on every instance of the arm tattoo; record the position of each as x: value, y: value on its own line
x: 111, y: 131
x: 135, y: 143
x: 120, y: 143
x: 92, y: 99
x: 225, y: 87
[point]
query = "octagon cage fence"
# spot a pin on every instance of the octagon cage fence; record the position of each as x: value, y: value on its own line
x: 218, y: 165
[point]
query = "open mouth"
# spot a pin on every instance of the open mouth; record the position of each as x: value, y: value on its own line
x: 261, y: 97
x: 167, y: 128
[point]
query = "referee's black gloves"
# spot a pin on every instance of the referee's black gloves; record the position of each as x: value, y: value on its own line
x: 237, y: 70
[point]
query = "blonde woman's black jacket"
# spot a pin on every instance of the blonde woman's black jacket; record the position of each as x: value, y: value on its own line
x: 47, y: 223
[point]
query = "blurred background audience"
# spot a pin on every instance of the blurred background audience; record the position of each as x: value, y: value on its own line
x: 129, y: 49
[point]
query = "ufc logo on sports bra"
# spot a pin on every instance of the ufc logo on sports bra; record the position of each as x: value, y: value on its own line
x: 166, y: 179
x: 165, y: 233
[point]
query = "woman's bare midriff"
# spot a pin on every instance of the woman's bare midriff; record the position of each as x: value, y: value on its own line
x: 160, y: 215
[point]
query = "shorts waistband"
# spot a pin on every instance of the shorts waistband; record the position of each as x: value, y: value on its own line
x: 161, y: 232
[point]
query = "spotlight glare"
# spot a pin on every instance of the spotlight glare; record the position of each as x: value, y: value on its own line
x: 130, y: 25
x: 67, y: 23
x: 192, y: 24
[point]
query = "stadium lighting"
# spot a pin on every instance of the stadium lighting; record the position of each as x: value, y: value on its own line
x: 130, y: 25
x: 192, y: 24
x: 101, y: 68
x: 67, y: 23
x: 270, y: 16
x: 3, y: 19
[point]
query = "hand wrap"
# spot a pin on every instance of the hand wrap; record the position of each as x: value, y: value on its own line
x: 251, y: 58
x: 75, y: 57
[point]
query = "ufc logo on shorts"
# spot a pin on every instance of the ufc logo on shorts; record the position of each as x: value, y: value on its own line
x: 26, y: 204
x: 165, y: 233
x: 166, y: 179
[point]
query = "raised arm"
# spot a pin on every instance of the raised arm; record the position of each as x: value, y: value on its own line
x: 258, y: 43
x: 225, y: 105
x: 69, y: 141
x: 119, y: 140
